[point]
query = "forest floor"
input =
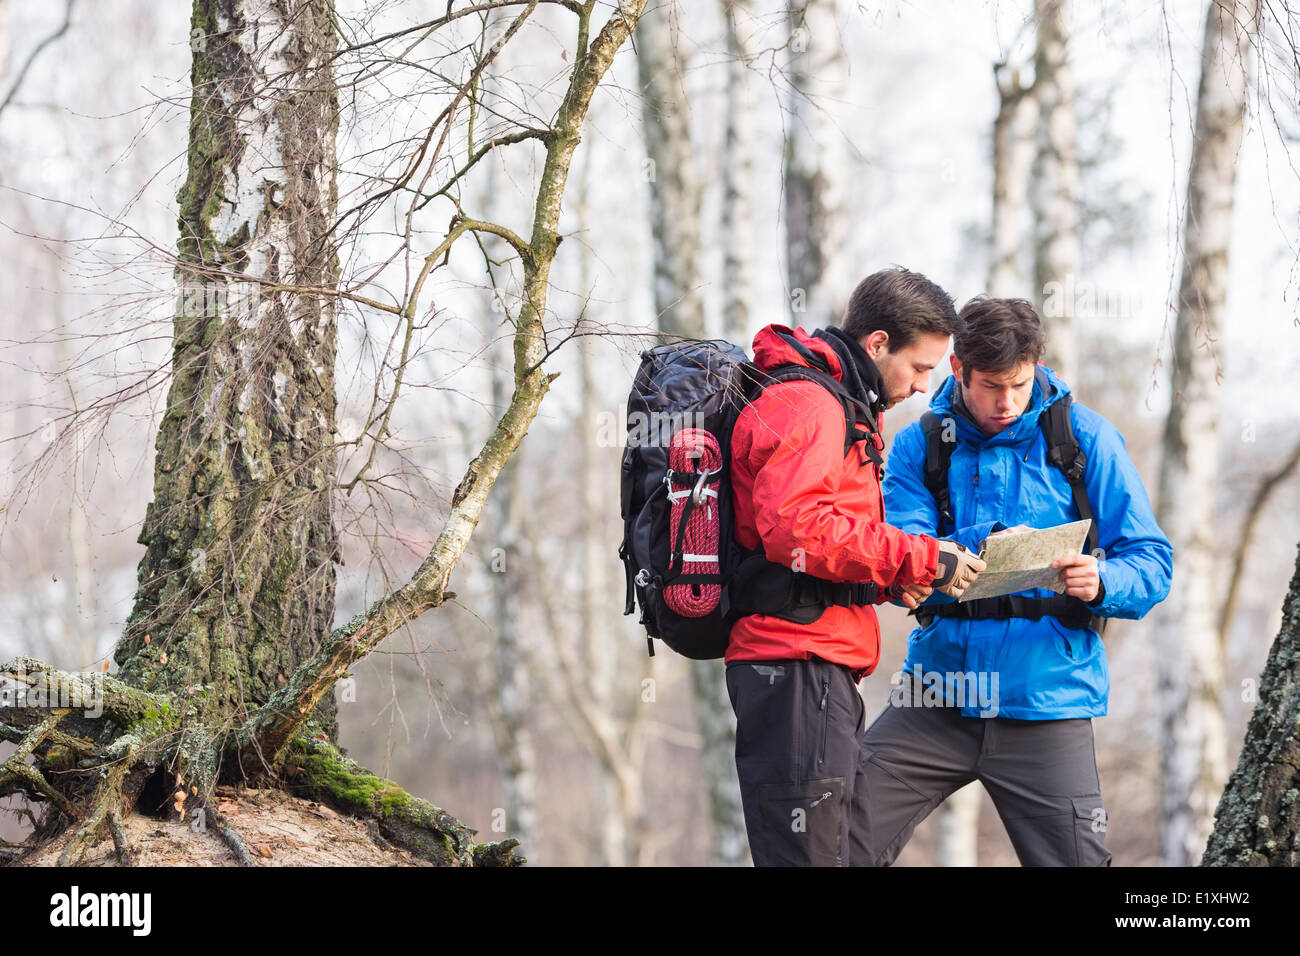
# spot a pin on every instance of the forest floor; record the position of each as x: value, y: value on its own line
x: 277, y: 828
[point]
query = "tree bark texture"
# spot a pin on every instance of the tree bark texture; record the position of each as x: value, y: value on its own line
x: 1257, y: 822
x: 236, y: 586
x: 1190, y: 659
x: 1056, y: 188
x: 816, y: 167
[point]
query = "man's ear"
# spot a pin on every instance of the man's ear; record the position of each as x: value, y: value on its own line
x: 876, y: 342
x: 956, y: 366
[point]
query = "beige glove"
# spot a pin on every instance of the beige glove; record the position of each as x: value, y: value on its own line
x: 958, y: 569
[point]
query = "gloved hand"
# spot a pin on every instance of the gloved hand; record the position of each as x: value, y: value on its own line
x: 958, y: 569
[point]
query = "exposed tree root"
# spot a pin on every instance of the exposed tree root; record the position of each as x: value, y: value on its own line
x: 315, y: 768
x: 231, y: 839
x: 107, y: 806
x: 120, y: 844
x: 102, y: 769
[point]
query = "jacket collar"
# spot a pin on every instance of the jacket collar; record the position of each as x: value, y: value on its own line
x: 830, y: 350
x: 861, y: 377
x: 1048, y: 388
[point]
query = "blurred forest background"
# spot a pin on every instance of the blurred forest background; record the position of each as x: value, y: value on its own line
x: 528, y: 705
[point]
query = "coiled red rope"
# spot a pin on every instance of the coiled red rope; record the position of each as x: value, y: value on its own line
x: 694, y: 451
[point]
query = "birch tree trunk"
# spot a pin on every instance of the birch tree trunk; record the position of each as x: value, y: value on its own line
x: 512, y: 707
x: 1013, y: 151
x: 674, y: 181
x: 1056, y: 185
x: 738, y: 174
x: 957, y: 818
x: 1257, y: 822
x: 511, y: 697
x: 4, y: 41
x: 816, y: 167
x: 681, y: 312
x: 1190, y: 675
x: 236, y: 585
x: 597, y: 645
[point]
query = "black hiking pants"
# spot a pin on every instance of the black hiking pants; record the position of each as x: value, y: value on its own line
x: 799, y: 759
x: 1041, y: 775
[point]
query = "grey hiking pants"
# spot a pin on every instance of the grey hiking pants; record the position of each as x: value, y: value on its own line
x: 799, y: 760
x: 1041, y: 775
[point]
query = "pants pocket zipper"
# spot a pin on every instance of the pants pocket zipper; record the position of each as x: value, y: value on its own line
x: 826, y: 691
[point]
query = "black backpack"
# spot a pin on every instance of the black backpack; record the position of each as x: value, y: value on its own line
x: 1064, y: 453
x: 706, y: 384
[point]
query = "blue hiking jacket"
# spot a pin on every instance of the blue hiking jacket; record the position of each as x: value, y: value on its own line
x: 1034, y: 669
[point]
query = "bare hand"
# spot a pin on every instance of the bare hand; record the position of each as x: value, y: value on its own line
x: 1081, y: 576
x: 914, y: 594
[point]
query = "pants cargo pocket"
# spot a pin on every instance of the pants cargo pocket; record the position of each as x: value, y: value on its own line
x: 803, y: 823
x: 1090, y: 831
x: 1074, y: 837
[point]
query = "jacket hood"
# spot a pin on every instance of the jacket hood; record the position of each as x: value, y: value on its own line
x: 1048, y: 388
x: 771, y: 350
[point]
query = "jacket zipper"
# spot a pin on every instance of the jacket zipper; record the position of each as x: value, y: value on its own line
x: 826, y: 690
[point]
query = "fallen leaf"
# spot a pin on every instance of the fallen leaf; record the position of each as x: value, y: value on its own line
x: 146, y: 638
x: 263, y: 850
x: 162, y: 658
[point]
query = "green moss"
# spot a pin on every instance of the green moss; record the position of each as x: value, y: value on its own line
x: 347, y: 782
x: 393, y: 799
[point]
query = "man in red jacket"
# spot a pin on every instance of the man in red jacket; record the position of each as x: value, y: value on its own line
x: 808, y: 505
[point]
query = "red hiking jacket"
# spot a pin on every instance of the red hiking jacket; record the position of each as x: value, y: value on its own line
x: 794, y: 488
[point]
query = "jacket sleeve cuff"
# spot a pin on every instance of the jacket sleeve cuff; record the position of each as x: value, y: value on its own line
x: 1098, y: 603
x: 972, y: 535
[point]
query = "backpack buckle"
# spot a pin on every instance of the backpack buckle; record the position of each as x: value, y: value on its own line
x: 1077, y: 467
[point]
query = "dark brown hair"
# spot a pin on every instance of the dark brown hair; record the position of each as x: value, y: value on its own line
x: 902, y: 303
x: 997, y: 335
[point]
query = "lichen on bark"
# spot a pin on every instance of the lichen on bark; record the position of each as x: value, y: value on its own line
x: 236, y: 586
x: 1257, y: 822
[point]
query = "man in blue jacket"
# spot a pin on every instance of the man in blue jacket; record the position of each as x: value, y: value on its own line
x: 1004, y: 690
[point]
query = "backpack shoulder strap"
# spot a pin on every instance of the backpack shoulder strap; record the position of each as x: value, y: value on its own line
x: 853, y: 412
x: 1063, y: 452
x: 938, y: 456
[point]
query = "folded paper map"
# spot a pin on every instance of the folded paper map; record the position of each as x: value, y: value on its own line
x: 1020, y: 560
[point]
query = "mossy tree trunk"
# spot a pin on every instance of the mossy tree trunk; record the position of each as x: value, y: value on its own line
x: 1257, y: 822
x: 236, y: 586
